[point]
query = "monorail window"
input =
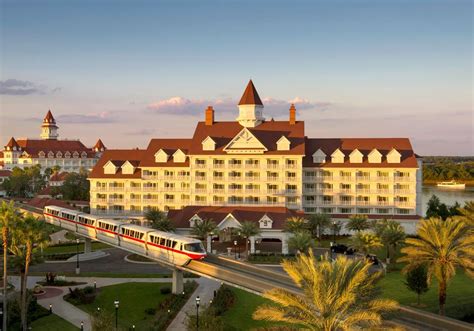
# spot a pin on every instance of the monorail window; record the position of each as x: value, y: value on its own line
x: 194, y: 247
x: 162, y: 241
x: 155, y: 240
x: 173, y: 244
x: 168, y: 243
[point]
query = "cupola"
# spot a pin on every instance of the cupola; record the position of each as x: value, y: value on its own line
x: 250, y: 107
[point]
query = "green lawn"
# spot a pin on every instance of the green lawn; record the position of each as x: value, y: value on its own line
x: 61, y: 249
x: 460, y: 300
x: 52, y: 323
x: 134, y: 299
x: 239, y: 316
x: 113, y: 275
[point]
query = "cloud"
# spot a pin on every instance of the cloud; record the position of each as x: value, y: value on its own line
x: 99, y: 118
x: 23, y: 87
x: 141, y: 132
x: 184, y: 106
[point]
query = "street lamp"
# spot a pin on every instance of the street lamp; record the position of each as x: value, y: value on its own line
x: 235, y: 248
x: 116, y: 303
x: 334, y: 231
x: 212, y: 236
x: 198, y: 300
x: 50, y: 308
x: 82, y: 326
x: 78, y: 270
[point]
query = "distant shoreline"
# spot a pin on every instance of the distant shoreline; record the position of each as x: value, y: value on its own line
x: 433, y: 182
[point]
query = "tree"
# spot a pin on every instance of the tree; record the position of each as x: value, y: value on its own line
x: 317, y: 223
x: 417, y: 281
x: 28, y: 234
x: 467, y: 213
x: 8, y: 219
x: 391, y: 234
x: 301, y: 241
x: 202, y: 229
x: 295, y: 224
x: 337, y: 295
x: 24, y: 183
x: 76, y: 186
x: 366, y: 242
x: 159, y: 221
x: 358, y: 223
x: 443, y: 246
x: 438, y: 209
x: 247, y: 230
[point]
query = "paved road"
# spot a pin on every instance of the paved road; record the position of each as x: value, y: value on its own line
x: 113, y: 263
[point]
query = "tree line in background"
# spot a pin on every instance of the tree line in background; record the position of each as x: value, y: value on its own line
x: 28, y: 182
x: 446, y: 169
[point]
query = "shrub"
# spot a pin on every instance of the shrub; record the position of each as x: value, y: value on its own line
x: 207, y: 322
x: 165, y: 290
x: 150, y: 311
x: 88, y: 289
x: 81, y: 296
x: 224, y: 300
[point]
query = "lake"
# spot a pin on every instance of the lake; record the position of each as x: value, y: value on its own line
x: 447, y: 196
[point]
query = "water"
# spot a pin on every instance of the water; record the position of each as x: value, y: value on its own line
x: 447, y: 196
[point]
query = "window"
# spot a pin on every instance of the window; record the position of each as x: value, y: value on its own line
x: 194, y: 247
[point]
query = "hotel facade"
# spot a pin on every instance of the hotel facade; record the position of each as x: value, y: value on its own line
x: 256, y: 163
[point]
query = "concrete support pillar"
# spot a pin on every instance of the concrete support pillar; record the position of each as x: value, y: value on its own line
x: 87, y: 245
x: 252, y: 245
x: 177, y: 287
x: 284, y: 245
x: 209, y: 244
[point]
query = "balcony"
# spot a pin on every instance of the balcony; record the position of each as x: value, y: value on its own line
x: 273, y: 166
x: 135, y: 200
x: 200, y: 190
x: 150, y: 189
x: 200, y: 165
x: 235, y: 178
x: 218, y: 178
x: 116, y: 188
x: 383, y: 203
x: 343, y: 178
x: 182, y: 177
x: 310, y: 203
x: 218, y: 165
x: 272, y: 178
x: 150, y: 176
x: 363, y: 190
x: 326, y: 203
x: 252, y: 166
x: 290, y: 166
x: 200, y: 178
x: 99, y: 200
x: 272, y: 191
x: 309, y: 178
x: 402, y: 179
x: 404, y: 191
x: 99, y: 189
x: 383, y: 179
x: 235, y: 165
x: 235, y: 190
x: 169, y: 177
x: 363, y: 203
x: 291, y: 179
x: 404, y: 204
x: 218, y: 190
x: 346, y: 203
x: 253, y: 190
x: 383, y: 191
x: 345, y: 190
x: 363, y: 178
x: 252, y: 178
x: 152, y: 201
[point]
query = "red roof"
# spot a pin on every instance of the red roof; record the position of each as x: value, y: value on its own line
x: 278, y: 215
x: 250, y: 96
x: 99, y: 145
x: 268, y: 133
x: 58, y: 176
x: 12, y: 143
x: 365, y: 146
x: 170, y: 146
x: 118, y: 157
x: 34, y: 146
x: 49, y: 118
x: 378, y: 217
x: 41, y: 202
x: 5, y: 173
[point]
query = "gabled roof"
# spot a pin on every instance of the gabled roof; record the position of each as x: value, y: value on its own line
x: 49, y: 118
x: 250, y: 96
x: 34, y: 146
x: 5, y: 173
x: 365, y: 146
x: 12, y: 143
x: 169, y: 146
x: 118, y: 157
x: 58, y: 176
x: 99, y: 145
x: 278, y: 215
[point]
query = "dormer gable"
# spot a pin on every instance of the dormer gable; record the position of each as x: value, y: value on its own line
x: 67, y: 154
x: 161, y: 156
x: 375, y: 156
x: 283, y: 144
x: 356, y: 156
x: 337, y: 156
x: 179, y: 156
x: 245, y: 142
x: 110, y: 168
x: 128, y: 168
x: 50, y: 154
x: 393, y: 156
x: 208, y: 144
x: 41, y: 154
x: 319, y: 156
x: 83, y: 155
x: 265, y: 222
x: 193, y: 220
x: 59, y: 154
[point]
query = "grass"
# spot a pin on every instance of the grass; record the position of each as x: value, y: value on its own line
x: 460, y: 299
x: 134, y: 299
x: 71, y: 248
x: 52, y: 323
x: 138, y: 258
x: 106, y: 275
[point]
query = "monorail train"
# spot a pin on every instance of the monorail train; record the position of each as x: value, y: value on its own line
x: 170, y: 247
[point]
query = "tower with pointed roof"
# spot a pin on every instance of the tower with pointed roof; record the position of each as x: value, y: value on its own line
x: 250, y: 108
x: 49, y: 129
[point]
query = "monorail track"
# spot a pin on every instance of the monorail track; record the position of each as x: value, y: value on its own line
x: 258, y: 280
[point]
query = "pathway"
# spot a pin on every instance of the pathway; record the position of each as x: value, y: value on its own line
x: 58, y: 237
x: 205, y: 291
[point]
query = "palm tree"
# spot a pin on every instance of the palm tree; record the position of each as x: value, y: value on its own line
x: 317, y: 223
x: 247, y: 230
x: 366, y: 241
x: 202, y: 229
x: 358, y: 223
x: 391, y: 233
x: 337, y: 295
x: 28, y: 233
x: 295, y: 224
x: 443, y: 246
x: 301, y: 241
x: 467, y: 213
x: 8, y: 218
x: 159, y: 221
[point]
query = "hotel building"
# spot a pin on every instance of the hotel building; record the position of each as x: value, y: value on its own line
x: 49, y: 151
x: 256, y: 163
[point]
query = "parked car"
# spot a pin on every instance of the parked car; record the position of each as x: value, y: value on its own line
x: 372, y: 259
x: 342, y: 249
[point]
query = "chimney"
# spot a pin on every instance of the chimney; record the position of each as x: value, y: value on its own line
x: 209, y: 115
x: 292, y: 114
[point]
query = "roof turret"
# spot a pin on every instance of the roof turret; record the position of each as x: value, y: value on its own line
x: 250, y: 96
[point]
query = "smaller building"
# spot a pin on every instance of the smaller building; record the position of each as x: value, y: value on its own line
x: 4, y: 174
x: 49, y: 151
x: 270, y: 220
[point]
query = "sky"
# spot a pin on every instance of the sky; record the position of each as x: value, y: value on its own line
x: 129, y: 71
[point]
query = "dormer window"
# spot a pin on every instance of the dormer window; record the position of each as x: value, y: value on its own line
x: 356, y: 156
x: 75, y: 155
x: 283, y: 144
x: 265, y: 222
x: 208, y: 144
x: 50, y: 155
x: 41, y: 154
x: 128, y: 168
x: 110, y: 168
x: 393, y: 156
x: 83, y: 155
x: 179, y: 156
x: 337, y: 156
x: 67, y: 155
x: 375, y: 156
x: 161, y: 156
x: 193, y: 220
x: 59, y: 155
x: 319, y: 156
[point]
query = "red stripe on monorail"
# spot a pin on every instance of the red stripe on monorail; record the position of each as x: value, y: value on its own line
x: 192, y: 256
